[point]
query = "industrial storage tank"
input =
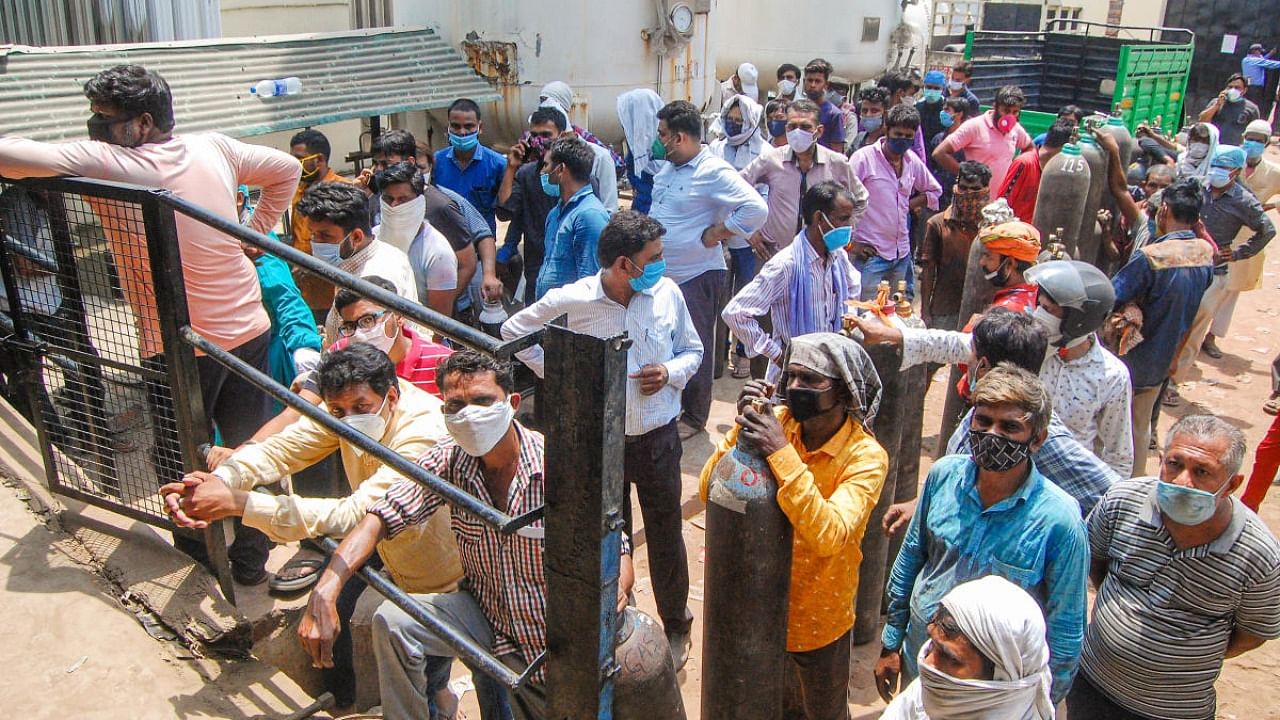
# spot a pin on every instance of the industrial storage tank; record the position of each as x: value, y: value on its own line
x: 601, y: 48
x: 861, y: 40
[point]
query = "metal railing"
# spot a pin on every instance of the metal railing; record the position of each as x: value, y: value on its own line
x: 586, y: 375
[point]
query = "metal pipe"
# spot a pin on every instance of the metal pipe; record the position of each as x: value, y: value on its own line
x: 446, y: 326
x: 476, y: 657
x: 451, y: 493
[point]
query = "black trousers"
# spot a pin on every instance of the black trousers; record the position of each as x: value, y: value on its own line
x: 652, y: 465
x: 236, y: 409
x: 817, y: 683
x: 702, y: 296
x: 1086, y: 702
x: 341, y: 678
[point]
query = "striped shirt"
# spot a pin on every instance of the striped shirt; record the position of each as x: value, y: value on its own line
x: 504, y: 573
x: 770, y: 292
x: 1164, y: 616
x: 418, y: 365
x: 658, y: 323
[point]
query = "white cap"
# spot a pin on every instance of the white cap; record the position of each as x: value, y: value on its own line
x: 1260, y: 127
x: 748, y: 75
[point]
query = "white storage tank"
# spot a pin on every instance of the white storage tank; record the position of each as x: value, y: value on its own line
x: 860, y: 39
x: 601, y: 48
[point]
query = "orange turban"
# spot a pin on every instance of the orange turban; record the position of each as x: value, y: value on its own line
x: 1018, y: 240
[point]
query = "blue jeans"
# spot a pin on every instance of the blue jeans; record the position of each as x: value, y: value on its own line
x: 742, y: 268
x: 878, y: 268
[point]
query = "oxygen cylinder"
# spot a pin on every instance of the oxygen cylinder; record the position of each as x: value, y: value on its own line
x: 645, y: 687
x: 747, y: 583
x: 977, y: 295
x: 1115, y: 126
x: 1064, y: 189
x: 1089, y: 237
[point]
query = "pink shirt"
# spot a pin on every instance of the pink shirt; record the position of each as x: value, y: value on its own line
x: 884, y: 226
x: 223, y: 296
x: 982, y: 142
x: 776, y: 169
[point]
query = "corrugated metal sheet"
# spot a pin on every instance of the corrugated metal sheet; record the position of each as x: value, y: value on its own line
x: 344, y: 75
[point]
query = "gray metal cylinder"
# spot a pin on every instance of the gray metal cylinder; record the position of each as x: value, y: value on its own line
x: 977, y: 295
x: 646, y: 687
x: 747, y: 586
x: 1060, y: 203
x: 1089, y: 237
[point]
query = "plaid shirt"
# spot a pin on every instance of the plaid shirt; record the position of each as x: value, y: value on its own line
x: 504, y: 573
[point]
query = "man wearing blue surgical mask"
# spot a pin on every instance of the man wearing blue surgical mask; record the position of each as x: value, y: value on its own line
x: 630, y: 295
x: 1230, y: 111
x: 575, y: 221
x: 1235, y: 220
x: 930, y: 105
x: 1178, y: 563
x: 803, y: 288
x: 467, y: 167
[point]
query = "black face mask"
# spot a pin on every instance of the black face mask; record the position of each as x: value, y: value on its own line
x: 997, y: 453
x: 806, y: 403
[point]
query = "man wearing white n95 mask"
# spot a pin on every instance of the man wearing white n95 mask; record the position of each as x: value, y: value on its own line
x: 986, y: 657
x: 404, y: 207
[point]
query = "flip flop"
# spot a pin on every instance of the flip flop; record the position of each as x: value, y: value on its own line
x: 297, y: 575
x: 1272, y: 405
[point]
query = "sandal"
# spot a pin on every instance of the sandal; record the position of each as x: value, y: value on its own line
x: 742, y: 371
x: 1272, y: 405
x: 297, y: 575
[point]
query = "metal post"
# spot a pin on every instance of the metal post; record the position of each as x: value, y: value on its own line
x: 584, y: 455
x: 180, y: 362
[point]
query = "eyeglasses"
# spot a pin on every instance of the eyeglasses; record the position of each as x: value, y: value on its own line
x: 364, y: 322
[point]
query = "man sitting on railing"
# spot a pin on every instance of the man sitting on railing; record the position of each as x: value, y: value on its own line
x: 131, y: 140
x: 360, y: 388
x: 493, y: 457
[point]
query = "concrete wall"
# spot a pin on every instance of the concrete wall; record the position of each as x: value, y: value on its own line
x: 243, y: 18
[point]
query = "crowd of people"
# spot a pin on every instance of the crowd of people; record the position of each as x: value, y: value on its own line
x: 782, y: 222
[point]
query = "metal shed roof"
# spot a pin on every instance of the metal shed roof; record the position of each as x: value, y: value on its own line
x: 344, y: 75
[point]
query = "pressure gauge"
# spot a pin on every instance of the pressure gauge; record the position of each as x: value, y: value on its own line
x: 682, y: 18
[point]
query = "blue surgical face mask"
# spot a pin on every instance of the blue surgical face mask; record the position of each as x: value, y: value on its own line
x: 328, y: 252
x: 1186, y: 505
x: 945, y: 118
x: 836, y: 237
x: 649, y: 275
x: 1219, y: 177
x: 872, y: 124
x: 899, y: 146
x: 954, y: 86
x: 548, y: 187
x: 464, y: 142
x: 932, y: 96
x: 1253, y: 149
x: 777, y: 128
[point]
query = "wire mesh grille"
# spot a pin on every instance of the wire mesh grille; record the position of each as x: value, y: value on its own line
x: 86, y: 360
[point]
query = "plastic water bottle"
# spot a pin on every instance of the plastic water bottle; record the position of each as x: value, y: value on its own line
x: 276, y: 88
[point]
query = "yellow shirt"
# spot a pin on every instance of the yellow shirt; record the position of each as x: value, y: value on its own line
x: 423, y: 559
x: 316, y: 291
x: 828, y: 495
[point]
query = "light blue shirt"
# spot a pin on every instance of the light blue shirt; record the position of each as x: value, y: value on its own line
x: 1034, y: 538
x: 1254, y: 68
x: 689, y: 198
x: 658, y: 323
x: 572, y: 233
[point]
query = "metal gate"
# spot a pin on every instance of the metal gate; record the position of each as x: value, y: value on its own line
x: 101, y: 357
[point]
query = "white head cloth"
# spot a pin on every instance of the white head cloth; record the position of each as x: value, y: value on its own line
x: 638, y: 113
x: 1007, y: 626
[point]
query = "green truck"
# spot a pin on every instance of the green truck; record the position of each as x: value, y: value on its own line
x: 1138, y: 73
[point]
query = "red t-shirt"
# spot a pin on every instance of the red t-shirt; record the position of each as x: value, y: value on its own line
x: 419, y: 363
x: 1021, y: 184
